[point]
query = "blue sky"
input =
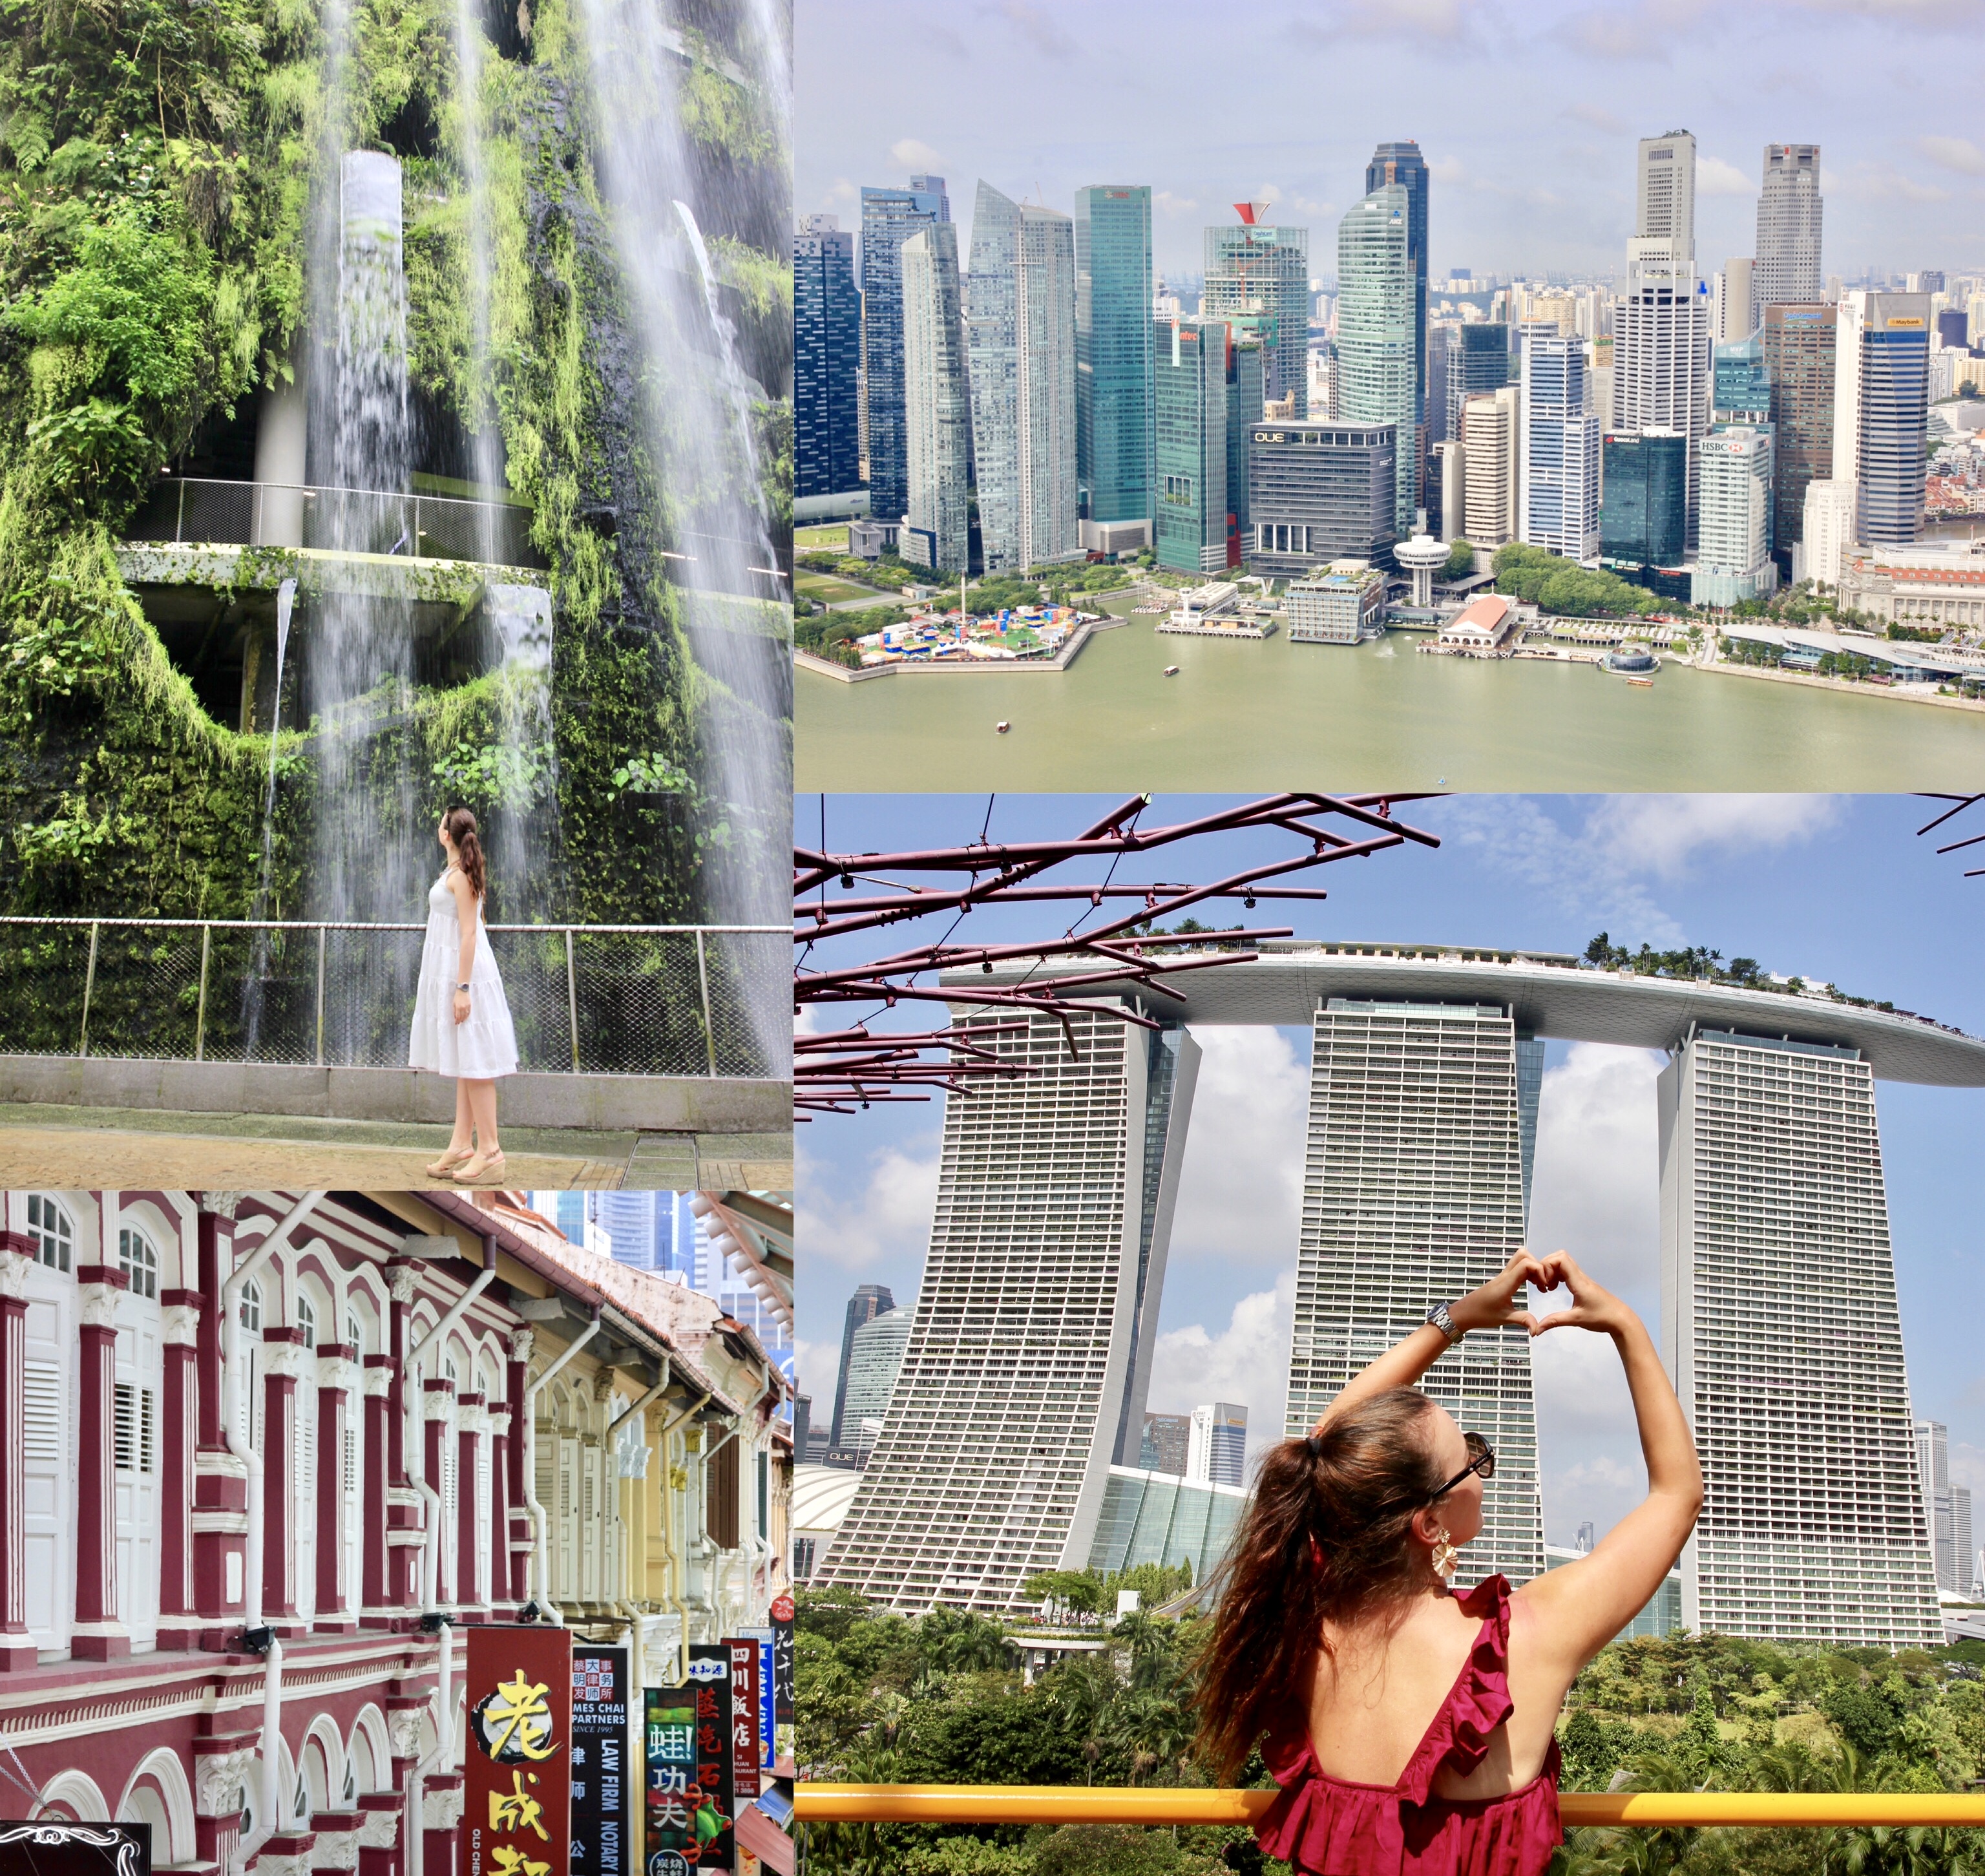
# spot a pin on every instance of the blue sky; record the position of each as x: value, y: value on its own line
x: 1527, y: 115
x: 1833, y: 888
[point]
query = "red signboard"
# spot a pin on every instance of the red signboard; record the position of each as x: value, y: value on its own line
x: 744, y: 1716
x: 517, y: 1773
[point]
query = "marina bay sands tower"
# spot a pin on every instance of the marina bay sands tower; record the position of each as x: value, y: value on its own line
x: 1029, y: 1358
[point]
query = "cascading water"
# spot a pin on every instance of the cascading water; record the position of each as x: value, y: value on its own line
x: 698, y: 420
x: 258, y: 973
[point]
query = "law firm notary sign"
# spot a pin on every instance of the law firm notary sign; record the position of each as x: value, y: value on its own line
x: 603, y: 1841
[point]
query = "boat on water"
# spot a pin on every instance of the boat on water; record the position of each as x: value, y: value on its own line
x: 1002, y: 728
x: 1644, y: 683
x: 1172, y: 670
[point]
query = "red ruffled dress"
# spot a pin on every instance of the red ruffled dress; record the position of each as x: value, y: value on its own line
x: 1322, y: 1825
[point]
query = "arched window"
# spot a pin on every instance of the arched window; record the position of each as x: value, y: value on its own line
x: 251, y: 1307
x: 307, y: 1319
x: 354, y: 1334
x: 53, y: 1235
x: 140, y: 1261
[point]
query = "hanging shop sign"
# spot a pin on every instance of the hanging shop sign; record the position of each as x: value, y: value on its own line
x: 764, y: 1638
x: 783, y: 1612
x: 517, y: 1773
x: 689, y: 1802
x: 743, y: 1716
x: 603, y: 1842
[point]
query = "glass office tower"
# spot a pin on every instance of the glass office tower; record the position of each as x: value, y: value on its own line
x: 1798, y: 355
x: 827, y: 359
x: 1741, y: 382
x: 1252, y: 268
x: 1643, y: 520
x: 1113, y: 351
x: 1375, y: 334
x: 1403, y: 164
x: 889, y: 217
x: 1881, y: 403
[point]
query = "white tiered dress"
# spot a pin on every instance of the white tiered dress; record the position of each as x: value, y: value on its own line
x: 483, y: 1047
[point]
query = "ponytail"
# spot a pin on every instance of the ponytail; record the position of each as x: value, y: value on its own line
x: 460, y: 825
x: 1323, y: 1538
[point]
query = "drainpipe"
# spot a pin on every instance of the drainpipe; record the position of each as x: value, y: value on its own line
x: 441, y: 1759
x: 613, y: 1427
x: 540, y: 1542
x: 673, y: 1598
x: 242, y: 1447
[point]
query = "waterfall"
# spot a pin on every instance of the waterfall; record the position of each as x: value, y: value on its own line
x: 697, y: 417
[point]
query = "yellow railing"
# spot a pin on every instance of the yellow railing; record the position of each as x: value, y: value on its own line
x: 838, y: 1803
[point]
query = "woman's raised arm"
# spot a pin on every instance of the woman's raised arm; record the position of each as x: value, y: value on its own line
x: 1582, y: 1605
x: 1491, y: 1306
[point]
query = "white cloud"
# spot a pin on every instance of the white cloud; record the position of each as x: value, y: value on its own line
x: 1596, y: 1180
x: 1596, y: 869
x: 1037, y: 25
x: 1715, y: 177
x: 890, y: 1215
x: 1446, y: 169
x: 1598, y: 117
x: 1247, y: 1362
x: 1953, y: 152
x: 1240, y: 1183
x: 1967, y: 1468
x: 1170, y: 204
x: 912, y: 155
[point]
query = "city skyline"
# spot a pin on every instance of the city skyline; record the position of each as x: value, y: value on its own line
x: 1545, y: 185
x: 1227, y: 1310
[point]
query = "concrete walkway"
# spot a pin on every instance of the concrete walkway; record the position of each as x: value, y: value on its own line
x: 77, y: 1148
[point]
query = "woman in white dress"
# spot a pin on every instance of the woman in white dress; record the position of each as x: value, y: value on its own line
x: 461, y: 1024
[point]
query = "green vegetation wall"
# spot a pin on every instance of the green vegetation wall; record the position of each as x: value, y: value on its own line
x: 155, y: 169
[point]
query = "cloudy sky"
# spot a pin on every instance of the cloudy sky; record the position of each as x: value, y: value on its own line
x: 1527, y: 115
x: 1833, y: 889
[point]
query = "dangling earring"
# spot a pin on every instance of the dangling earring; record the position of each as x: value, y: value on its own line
x: 1447, y: 1554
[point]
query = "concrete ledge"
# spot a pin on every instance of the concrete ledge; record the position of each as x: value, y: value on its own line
x: 599, y: 1103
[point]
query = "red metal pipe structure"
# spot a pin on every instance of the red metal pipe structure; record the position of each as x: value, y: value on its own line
x: 838, y: 1070
x: 1963, y: 801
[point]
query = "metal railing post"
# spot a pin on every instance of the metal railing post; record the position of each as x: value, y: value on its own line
x: 322, y: 933
x: 178, y: 518
x: 199, y: 1020
x: 89, y: 987
x: 571, y: 998
x: 709, y: 1027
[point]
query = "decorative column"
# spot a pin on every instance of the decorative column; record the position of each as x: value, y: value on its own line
x: 379, y: 1814
x: 518, y: 1551
x: 223, y: 1763
x: 499, y: 1415
x: 470, y: 1420
x: 437, y: 1428
x: 403, y: 1726
x: 181, y: 1313
x: 338, y: 1371
x: 441, y: 1821
x: 403, y: 1507
x: 219, y: 1481
x: 17, y: 1647
x: 378, y: 1612
x: 97, y: 1636
x: 283, y: 1357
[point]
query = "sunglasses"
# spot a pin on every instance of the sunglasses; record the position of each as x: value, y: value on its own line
x: 1480, y: 1459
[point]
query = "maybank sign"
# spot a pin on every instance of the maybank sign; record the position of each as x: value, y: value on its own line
x: 1896, y: 322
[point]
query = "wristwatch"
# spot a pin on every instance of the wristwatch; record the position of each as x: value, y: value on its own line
x: 461, y: 986
x: 1445, y: 1323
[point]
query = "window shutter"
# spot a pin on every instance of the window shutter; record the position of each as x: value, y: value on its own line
x: 350, y: 1443
x: 44, y: 1414
x: 127, y: 1427
x: 147, y: 1429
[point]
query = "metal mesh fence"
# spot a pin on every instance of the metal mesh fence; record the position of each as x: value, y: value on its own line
x: 615, y: 999
x: 355, y: 520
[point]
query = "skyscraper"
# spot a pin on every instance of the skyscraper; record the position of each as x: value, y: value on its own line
x: 1734, y: 315
x: 875, y: 1354
x: 1787, y: 266
x: 1206, y: 397
x: 1798, y: 355
x: 1559, y: 504
x: 1780, y: 1331
x: 1020, y: 307
x: 1643, y: 519
x: 889, y: 217
x: 1113, y: 351
x: 1479, y: 361
x: 1167, y: 1439
x: 1376, y: 365
x: 1881, y: 402
x: 1492, y: 455
x: 1740, y: 383
x: 868, y: 1302
x: 1217, y: 1444
x: 1661, y: 335
x: 1318, y: 490
x: 1733, y: 560
x: 1256, y: 272
x: 827, y: 359
x: 936, y: 410
x: 1413, y: 1193
x: 1029, y: 1358
x: 1403, y: 164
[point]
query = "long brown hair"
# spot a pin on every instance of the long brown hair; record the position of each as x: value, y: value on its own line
x: 1323, y: 1538
x: 460, y: 824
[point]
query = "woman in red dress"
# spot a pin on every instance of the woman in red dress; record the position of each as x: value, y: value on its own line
x: 1412, y: 1729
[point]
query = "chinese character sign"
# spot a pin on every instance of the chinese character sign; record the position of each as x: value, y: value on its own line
x: 687, y: 1743
x: 518, y: 1771
x: 743, y: 1716
x: 783, y: 1613
x: 602, y: 1842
